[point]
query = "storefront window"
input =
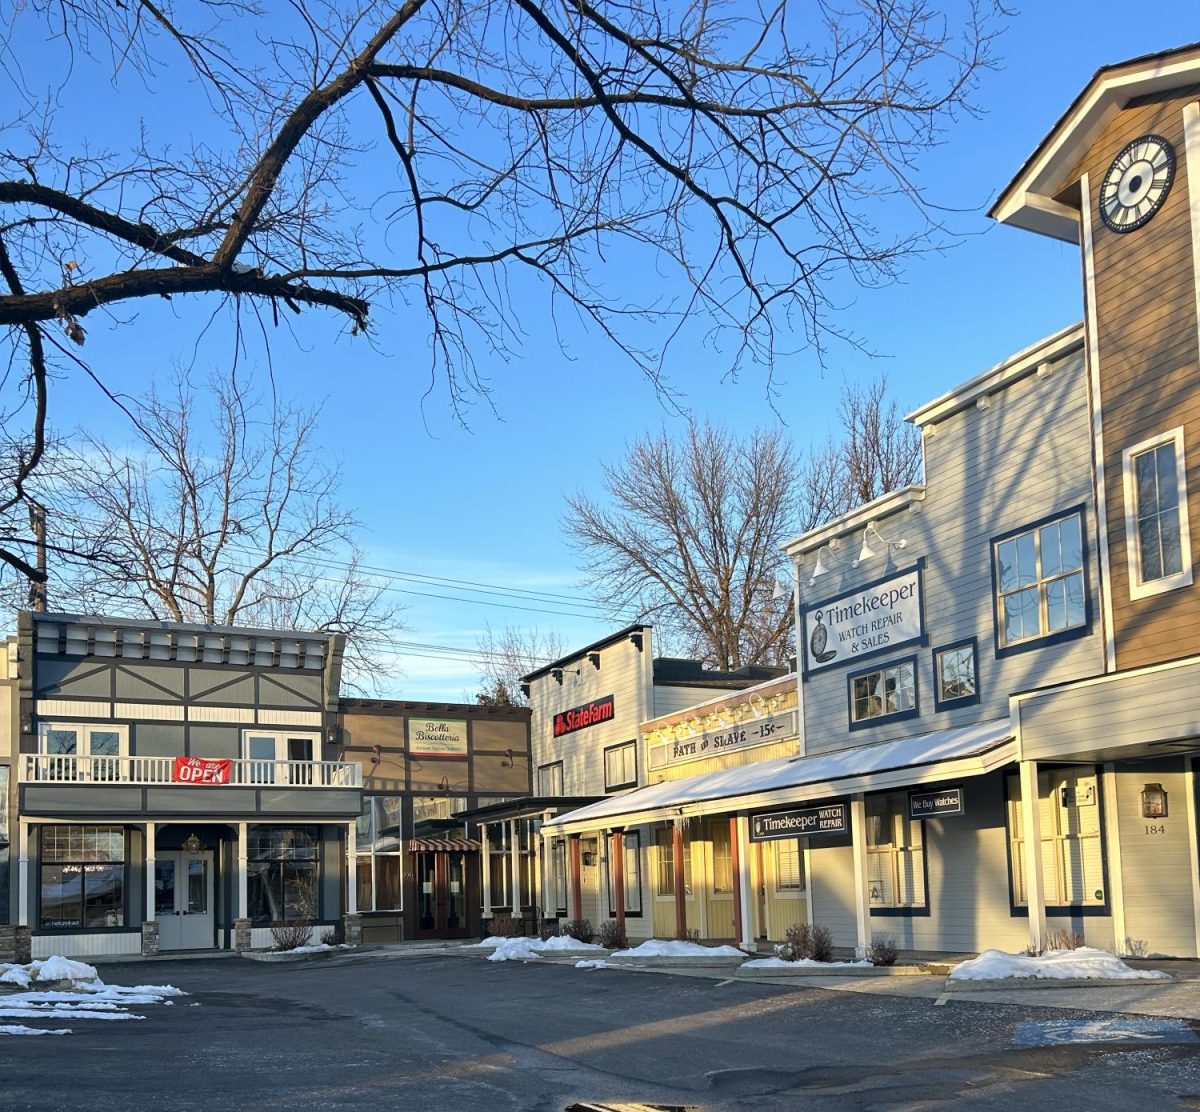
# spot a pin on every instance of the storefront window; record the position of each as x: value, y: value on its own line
x: 789, y: 866
x: 82, y: 877
x: 631, y: 877
x: 283, y: 875
x: 378, y: 848
x: 665, y: 842
x: 895, y: 853
x: 722, y: 853
x: 1072, y: 849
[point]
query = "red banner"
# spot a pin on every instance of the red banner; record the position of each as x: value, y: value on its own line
x: 200, y: 770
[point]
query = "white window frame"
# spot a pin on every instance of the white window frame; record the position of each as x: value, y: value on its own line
x: 1140, y: 587
x: 87, y: 771
x: 281, y: 763
x: 551, y: 768
x: 627, y: 753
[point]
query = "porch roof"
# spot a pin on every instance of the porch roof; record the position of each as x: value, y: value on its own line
x: 924, y: 758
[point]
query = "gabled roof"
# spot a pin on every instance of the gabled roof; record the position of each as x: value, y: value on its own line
x: 1028, y: 201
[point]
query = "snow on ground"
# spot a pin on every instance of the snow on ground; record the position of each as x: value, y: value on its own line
x: 88, y: 998
x: 801, y: 963
x: 1085, y: 963
x: 530, y: 949
x: 597, y: 963
x: 657, y: 948
x: 315, y: 948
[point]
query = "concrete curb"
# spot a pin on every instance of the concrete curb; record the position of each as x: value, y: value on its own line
x: 1023, y: 984
x: 832, y: 970
x: 668, y: 962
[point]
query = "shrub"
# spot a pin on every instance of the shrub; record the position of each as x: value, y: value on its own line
x: 806, y: 942
x: 1064, y: 940
x: 882, y: 951
x: 687, y: 935
x: 549, y: 929
x: 612, y: 936
x: 1136, y: 947
x: 504, y: 925
x: 332, y: 936
x: 579, y: 929
x: 288, y: 936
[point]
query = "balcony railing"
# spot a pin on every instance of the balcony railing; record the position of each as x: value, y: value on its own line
x: 41, y: 768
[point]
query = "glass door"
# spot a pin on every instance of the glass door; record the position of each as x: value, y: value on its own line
x: 443, y: 902
x: 183, y: 897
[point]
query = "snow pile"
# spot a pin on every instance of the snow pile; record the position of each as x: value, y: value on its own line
x: 488, y: 943
x: 801, y: 963
x: 516, y: 949
x: 530, y: 949
x: 1083, y: 964
x: 315, y: 948
x: 51, y: 969
x: 656, y: 948
x: 595, y: 963
x: 89, y: 998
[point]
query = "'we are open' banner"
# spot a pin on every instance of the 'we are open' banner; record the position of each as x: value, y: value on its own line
x: 201, y: 770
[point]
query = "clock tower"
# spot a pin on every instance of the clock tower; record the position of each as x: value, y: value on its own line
x: 1120, y: 176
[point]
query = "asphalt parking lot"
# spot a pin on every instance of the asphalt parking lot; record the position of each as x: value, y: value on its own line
x: 437, y: 1032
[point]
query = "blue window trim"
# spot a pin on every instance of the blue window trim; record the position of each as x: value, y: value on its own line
x: 895, y: 716
x: 962, y: 700
x: 1059, y: 911
x: 1075, y: 632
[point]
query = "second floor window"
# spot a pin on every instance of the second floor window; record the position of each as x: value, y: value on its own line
x: 1156, y: 520
x: 1040, y: 581
x: 550, y: 779
x: 620, y: 766
x: 887, y: 692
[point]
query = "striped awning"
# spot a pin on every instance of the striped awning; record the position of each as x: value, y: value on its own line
x: 441, y: 845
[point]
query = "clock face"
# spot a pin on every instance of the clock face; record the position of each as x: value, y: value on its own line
x: 1137, y: 183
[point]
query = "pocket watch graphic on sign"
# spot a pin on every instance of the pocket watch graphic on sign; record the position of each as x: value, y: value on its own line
x: 818, y: 641
x: 1137, y: 183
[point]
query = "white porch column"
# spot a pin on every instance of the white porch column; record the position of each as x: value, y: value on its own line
x: 745, y: 883
x: 351, y: 868
x: 858, y: 836
x: 243, y: 872
x: 1031, y: 828
x: 151, y: 859
x: 22, y: 873
x: 1116, y: 876
x: 514, y: 857
x: 485, y: 861
x: 543, y: 869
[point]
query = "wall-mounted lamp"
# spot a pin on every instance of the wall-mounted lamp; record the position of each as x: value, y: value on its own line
x: 376, y: 754
x: 881, y: 545
x: 1154, y: 802
x: 594, y: 660
x: 192, y: 844
x: 557, y: 673
x: 589, y: 858
x: 821, y: 567
x: 635, y: 639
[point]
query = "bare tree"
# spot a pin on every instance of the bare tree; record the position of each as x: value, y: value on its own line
x: 510, y: 654
x: 874, y: 451
x: 690, y: 536
x: 691, y: 533
x: 236, y: 525
x: 456, y: 156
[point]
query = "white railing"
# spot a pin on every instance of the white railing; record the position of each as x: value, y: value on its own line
x: 41, y: 768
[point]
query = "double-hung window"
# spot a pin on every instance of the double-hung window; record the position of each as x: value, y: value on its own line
x: 895, y: 854
x: 550, y: 779
x: 1040, y: 582
x: 1158, y: 540
x: 631, y: 877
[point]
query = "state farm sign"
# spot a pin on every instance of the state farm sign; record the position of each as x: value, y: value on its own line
x: 201, y: 770
x: 577, y: 718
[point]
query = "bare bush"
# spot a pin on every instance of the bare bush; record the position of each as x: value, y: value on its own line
x: 291, y: 935
x: 505, y: 925
x: 882, y: 951
x: 579, y: 929
x: 806, y: 942
x: 612, y: 935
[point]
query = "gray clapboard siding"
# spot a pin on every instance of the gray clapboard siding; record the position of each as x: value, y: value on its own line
x: 1157, y: 705
x: 989, y: 471
x: 1156, y: 859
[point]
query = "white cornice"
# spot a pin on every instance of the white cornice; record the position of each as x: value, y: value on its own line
x: 1003, y: 374
x: 883, y: 506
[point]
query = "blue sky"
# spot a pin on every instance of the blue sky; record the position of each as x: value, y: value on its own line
x: 484, y: 504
